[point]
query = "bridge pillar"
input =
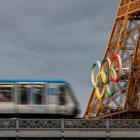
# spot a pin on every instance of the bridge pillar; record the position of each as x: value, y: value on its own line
x: 62, y: 129
x: 108, y: 131
x: 17, y: 129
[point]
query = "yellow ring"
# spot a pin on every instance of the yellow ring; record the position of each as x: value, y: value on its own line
x: 97, y: 92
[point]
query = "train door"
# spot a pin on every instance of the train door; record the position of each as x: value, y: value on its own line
x: 52, y: 98
x: 37, y: 98
x: 24, y: 95
x: 7, y: 98
x: 62, y: 99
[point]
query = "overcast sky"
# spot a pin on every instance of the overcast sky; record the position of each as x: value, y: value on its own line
x: 54, y: 39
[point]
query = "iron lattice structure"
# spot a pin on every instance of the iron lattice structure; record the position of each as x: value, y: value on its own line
x: 125, y: 41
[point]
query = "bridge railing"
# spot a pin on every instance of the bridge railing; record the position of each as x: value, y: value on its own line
x: 68, y: 124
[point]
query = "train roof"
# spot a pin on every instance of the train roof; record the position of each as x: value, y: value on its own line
x: 32, y: 80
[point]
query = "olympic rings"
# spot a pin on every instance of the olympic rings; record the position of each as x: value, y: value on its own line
x: 107, y: 74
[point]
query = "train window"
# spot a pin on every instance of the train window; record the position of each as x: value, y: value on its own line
x: 52, y: 91
x: 24, y: 94
x: 37, y: 93
x: 62, y: 95
x: 6, y: 93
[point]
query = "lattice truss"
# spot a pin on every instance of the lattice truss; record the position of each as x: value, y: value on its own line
x: 125, y: 41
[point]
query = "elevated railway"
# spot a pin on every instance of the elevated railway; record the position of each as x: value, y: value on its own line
x: 69, y: 128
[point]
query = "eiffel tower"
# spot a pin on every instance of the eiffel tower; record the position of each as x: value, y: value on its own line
x: 125, y: 41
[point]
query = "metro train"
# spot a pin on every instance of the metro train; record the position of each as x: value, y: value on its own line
x: 37, y: 98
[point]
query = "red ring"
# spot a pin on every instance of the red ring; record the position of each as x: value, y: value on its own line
x: 116, y: 57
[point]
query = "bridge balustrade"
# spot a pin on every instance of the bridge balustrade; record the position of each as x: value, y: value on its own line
x: 67, y: 124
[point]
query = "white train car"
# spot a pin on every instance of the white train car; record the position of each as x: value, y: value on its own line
x: 37, y: 98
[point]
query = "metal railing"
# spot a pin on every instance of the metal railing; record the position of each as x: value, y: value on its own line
x: 68, y: 124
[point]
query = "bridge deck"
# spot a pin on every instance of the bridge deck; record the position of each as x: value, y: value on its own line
x: 79, y: 128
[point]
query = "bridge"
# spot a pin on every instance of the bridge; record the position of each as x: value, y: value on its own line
x: 69, y: 128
